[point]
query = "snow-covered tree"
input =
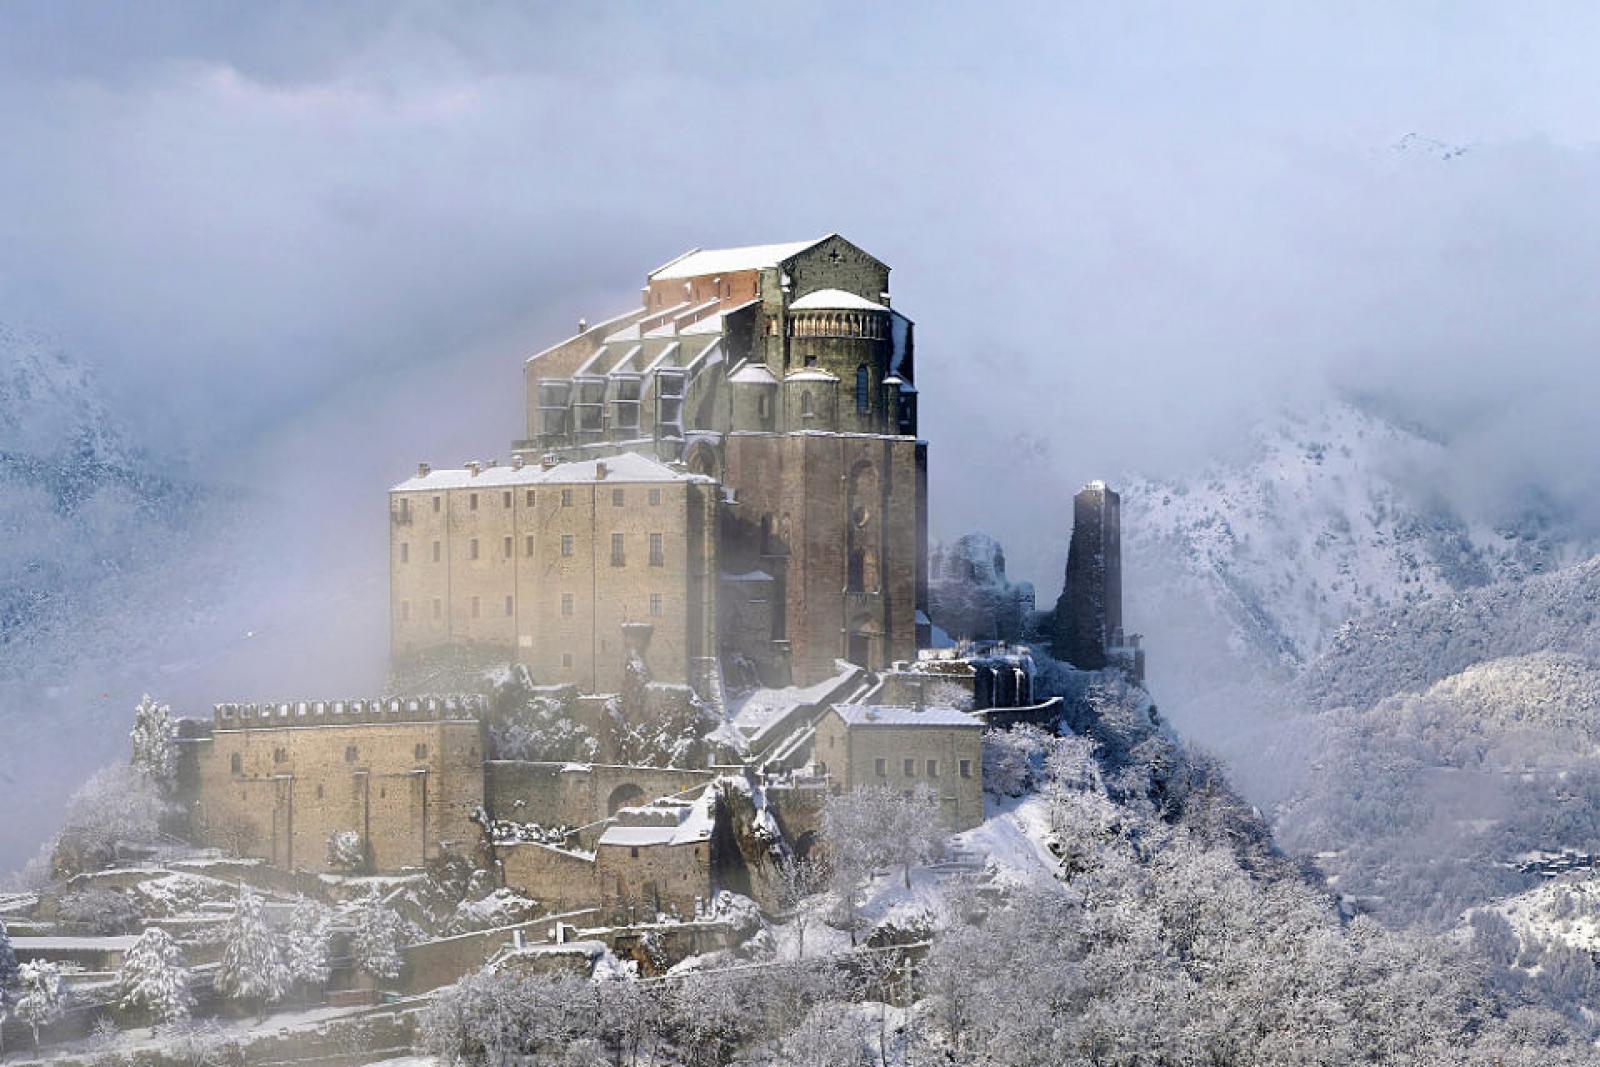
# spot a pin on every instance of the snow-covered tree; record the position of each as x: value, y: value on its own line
x: 306, y: 945
x: 117, y: 803
x: 378, y: 938
x: 41, y: 996
x: 795, y: 879
x: 879, y: 827
x: 155, y: 978
x: 8, y: 958
x: 346, y: 851
x: 252, y: 968
x: 155, y: 748
x: 533, y: 725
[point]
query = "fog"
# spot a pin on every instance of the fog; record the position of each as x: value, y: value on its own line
x: 307, y: 247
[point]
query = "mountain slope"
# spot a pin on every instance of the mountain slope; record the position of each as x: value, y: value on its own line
x: 1411, y: 646
x: 1329, y: 516
x: 77, y: 505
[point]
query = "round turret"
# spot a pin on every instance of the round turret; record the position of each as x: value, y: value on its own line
x: 848, y: 336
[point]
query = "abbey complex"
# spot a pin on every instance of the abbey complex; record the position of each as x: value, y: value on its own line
x: 633, y: 659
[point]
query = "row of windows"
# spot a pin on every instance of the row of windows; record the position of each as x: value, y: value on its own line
x: 281, y: 755
x: 658, y: 554
x: 568, y: 606
x: 880, y: 767
x: 619, y: 498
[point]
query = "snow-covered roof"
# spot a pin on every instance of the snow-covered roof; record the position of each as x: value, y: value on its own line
x: 811, y: 374
x: 753, y: 373
x: 703, y: 261
x: 834, y: 300
x: 747, y: 576
x: 693, y: 824
x: 891, y: 715
x: 624, y: 467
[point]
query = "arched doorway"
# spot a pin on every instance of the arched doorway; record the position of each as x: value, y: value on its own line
x: 625, y: 795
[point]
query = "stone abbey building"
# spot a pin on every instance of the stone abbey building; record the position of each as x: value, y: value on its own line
x: 731, y: 468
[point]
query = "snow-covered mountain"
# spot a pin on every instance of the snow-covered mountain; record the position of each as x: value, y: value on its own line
x: 1331, y: 515
x: 77, y: 504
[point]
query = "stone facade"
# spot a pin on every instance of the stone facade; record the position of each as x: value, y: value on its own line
x: 277, y: 781
x: 904, y: 748
x: 782, y: 373
x: 567, y: 568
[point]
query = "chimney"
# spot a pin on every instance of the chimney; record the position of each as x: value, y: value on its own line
x: 600, y: 471
x: 517, y: 461
x: 423, y: 470
x: 548, y: 460
x: 583, y: 325
x: 473, y: 468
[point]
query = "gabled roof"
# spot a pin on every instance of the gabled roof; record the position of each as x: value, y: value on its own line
x: 700, y: 262
x: 887, y: 715
x: 625, y: 467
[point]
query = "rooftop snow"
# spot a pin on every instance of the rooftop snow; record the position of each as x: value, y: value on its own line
x: 625, y: 467
x: 887, y: 715
x: 704, y: 261
x: 834, y: 300
x: 811, y: 374
x: 753, y: 373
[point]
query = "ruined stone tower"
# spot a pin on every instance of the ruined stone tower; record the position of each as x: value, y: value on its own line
x: 1088, y: 619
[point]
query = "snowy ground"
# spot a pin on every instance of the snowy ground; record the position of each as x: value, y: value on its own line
x: 1564, y: 910
x: 1007, y: 849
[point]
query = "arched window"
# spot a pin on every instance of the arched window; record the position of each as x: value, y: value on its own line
x: 863, y: 390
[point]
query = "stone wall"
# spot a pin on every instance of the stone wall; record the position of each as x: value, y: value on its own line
x: 577, y: 794
x: 279, y: 788
x: 533, y: 569
x: 946, y: 759
x: 639, y: 882
x: 559, y: 879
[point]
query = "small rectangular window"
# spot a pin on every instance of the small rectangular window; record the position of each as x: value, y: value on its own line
x: 966, y: 768
x: 436, y: 552
x: 472, y: 501
x: 505, y: 499
x: 658, y: 554
x: 566, y: 498
x: 435, y: 503
x: 405, y: 552
x: 566, y: 603
x: 617, y: 559
x: 351, y: 754
x: 566, y: 659
x: 528, y: 548
x: 617, y: 497
x: 474, y: 607
x: 655, y: 603
x: 405, y: 610
x: 472, y: 548
x: 881, y: 767
x: 438, y: 608
x: 933, y: 768
x: 505, y: 545
x: 511, y: 606
x: 422, y: 751
x: 911, y: 768
x: 655, y: 497
x: 530, y: 498
x: 566, y: 544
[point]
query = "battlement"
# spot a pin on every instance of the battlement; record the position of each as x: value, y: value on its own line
x: 267, y: 716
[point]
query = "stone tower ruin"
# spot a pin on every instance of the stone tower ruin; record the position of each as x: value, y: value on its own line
x: 1088, y: 618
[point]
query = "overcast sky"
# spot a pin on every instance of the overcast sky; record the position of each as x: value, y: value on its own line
x: 1121, y: 228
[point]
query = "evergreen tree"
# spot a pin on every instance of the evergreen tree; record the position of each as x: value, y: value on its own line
x: 252, y: 967
x: 154, y: 978
x: 41, y: 996
x: 377, y: 938
x: 306, y: 950
x: 154, y: 737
